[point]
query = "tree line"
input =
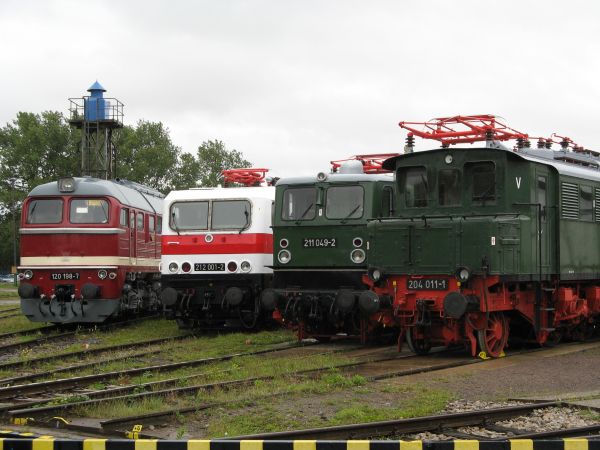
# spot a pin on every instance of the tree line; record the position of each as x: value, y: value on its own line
x: 39, y: 148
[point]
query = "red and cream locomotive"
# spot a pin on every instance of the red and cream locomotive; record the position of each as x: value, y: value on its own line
x: 90, y: 250
x: 217, y: 252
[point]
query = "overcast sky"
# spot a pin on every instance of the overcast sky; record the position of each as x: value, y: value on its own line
x: 294, y: 84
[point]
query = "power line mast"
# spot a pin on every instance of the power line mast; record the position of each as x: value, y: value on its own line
x: 98, y: 118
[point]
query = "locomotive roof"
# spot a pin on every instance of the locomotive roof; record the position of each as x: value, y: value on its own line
x: 338, y: 178
x: 543, y: 156
x: 257, y: 192
x: 127, y: 192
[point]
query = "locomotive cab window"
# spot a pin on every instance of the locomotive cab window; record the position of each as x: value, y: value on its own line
x: 387, y: 202
x: 230, y: 215
x: 45, y: 211
x: 151, y: 222
x: 140, y: 221
x: 449, y: 187
x: 299, y: 204
x: 124, y: 219
x: 159, y: 225
x: 344, y: 202
x: 189, y: 216
x: 90, y: 210
x: 483, y: 181
x: 415, y: 186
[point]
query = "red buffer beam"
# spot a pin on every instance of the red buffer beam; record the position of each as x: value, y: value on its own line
x: 372, y: 163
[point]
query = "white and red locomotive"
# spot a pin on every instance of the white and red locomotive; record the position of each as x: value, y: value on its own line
x: 90, y: 250
x: 217, y: 252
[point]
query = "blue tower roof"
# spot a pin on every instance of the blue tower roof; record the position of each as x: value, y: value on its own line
x: 96, y: 87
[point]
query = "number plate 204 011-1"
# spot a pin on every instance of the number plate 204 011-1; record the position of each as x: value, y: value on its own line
x: 427, y: 284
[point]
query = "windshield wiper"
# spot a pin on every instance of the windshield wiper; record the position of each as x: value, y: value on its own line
x: 247, y: 221
x: 305, y: 212
x: 351, y: 212
x: 174, y: 222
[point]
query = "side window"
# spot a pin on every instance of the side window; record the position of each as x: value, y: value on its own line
x: 124, y: 217
x: 140, y: 221
x: 449, y: 187
x: 586, y: 204
x: 387, y: 202
x: 483, y: 181
x: 415, y: 187
x: 132, y: 220
x: 159, y: 225
x: 151, y: 228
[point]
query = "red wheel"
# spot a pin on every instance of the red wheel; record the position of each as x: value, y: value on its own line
x: 418, y: 340
x: 493, y: 338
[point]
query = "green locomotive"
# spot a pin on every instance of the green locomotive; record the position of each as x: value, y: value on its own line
x: 320, y: 246
x: 490, y: 241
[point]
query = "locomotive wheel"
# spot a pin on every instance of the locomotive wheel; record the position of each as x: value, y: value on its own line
x: 493, y: 338
x: 420, y: 343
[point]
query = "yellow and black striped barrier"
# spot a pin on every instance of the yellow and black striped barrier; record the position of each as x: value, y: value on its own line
x: 10, y: 442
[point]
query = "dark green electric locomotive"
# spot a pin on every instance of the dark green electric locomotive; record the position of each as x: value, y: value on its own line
x: 320, y: 247
x: 491, y: 241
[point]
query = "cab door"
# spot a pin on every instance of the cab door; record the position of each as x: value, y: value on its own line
x: 545, y: 217
x: 132, y: 238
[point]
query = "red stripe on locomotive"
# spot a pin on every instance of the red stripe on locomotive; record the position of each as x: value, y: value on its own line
x: 222, y: 244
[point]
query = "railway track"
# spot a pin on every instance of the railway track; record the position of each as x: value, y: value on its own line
x: 50, y: 373
x: 446, y: 424
x: 131, y: 393
x: 7, y: 347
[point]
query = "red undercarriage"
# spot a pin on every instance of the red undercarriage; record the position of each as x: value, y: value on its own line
x: 548, y: 311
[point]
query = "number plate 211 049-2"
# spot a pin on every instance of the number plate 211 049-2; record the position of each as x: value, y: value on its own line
x: 427, y: 284
x: 318, y: 242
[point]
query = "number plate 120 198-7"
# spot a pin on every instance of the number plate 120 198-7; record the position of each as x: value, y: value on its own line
x: 427, y: 284
x: 318, y: 242
x: 69, y: 276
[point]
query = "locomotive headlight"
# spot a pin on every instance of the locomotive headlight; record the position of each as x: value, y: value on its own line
x: 321, y: 176
x: 284, y: 256
x: 102, y: 274
x: 448, y: 159
x: 232, y: 266
x: 28, y: 274
x: 112, y: 275
x: 375, y: 274
x: 283, y: 243
x: 245, y: 266
x: 357, y: 242
x: 66, y: 184
x: 173, y: 267
x: 186, y: 267
x: 358, y: 256
x: 463, y: 274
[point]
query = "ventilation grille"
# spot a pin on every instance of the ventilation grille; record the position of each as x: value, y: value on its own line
x: 569, y: 202
x: 597, y: 204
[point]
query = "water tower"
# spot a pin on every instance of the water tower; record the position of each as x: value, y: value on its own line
x: 97, y: 117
